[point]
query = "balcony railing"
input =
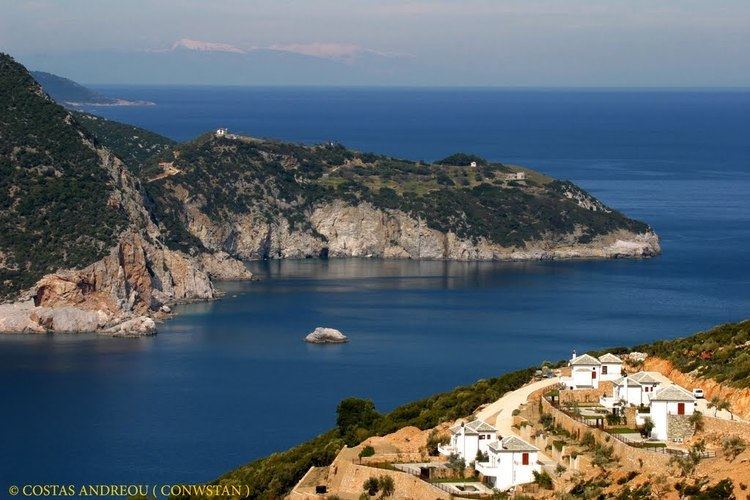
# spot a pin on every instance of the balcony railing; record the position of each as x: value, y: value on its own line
x: 486, y: 469
x: 447, y: 450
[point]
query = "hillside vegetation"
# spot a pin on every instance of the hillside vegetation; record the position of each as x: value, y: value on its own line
x: 133, y: 145
x: 55, y: 205
x: 721, y: 353
x: 64, y: 90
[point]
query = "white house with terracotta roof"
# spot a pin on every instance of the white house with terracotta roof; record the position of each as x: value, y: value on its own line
x: 666, y: 403
x: 469, y: 437
x: 585, y: 372
x: 611, y: 367
x: 511, y: 461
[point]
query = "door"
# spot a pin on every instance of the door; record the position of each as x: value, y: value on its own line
x: 680, y: 408
x: 593, y: 374
x: 524, y: 459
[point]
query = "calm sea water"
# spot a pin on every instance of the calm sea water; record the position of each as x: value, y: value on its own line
x: 228, y: 381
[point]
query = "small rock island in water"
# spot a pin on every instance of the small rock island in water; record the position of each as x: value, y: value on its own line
x: 326, y: 336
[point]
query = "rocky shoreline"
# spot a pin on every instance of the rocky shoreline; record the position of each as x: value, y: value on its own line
x: 128, y: 292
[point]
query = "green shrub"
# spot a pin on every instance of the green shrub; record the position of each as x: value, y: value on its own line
x: 733, y: 446
x: 367, y: 451
x: 371, y: 486
x: 544, y: 480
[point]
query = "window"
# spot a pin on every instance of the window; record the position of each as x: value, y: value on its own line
x: 524, y: 459
x: 604, y: 370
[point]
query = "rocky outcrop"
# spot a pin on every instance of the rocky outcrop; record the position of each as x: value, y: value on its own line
x: 340, y: 230
x: 223, y: 267
x: 323, y: 335
x: 119, y: 294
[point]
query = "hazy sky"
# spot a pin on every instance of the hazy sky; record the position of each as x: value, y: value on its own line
x: 469, y: 42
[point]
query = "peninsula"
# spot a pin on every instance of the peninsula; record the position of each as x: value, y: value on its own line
x: 105, y: 226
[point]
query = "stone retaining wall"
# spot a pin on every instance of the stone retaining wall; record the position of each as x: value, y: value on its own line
x: 586, y: 395
x: 679, y: 427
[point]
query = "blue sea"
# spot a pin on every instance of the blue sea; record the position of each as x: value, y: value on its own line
x: 228, y: 381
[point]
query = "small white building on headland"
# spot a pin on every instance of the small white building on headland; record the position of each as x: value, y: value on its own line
x: 511, y: 461
x: 516, y: 176
x: 469, y: 438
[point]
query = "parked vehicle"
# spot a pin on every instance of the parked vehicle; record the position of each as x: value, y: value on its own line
x: 698, y: 393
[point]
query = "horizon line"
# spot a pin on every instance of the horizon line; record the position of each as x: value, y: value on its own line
x: 737, y: 88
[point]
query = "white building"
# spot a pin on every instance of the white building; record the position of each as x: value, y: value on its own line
x: 611, y: 367
x: 648, y: 386
x: 584, y: 372
x: 667, y: 404
x: 473, y: 164
x: 511, y: 461
x: 468, y: 438
x: 516, y: 176
x: 634, y: 390
x: 626, y: 389
x: 221, y: 132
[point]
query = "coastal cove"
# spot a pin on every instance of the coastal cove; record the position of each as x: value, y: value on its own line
x: 231, y: 380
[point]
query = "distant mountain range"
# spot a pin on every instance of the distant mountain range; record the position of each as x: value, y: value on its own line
x: 72, y: 94
x: 196, y: 62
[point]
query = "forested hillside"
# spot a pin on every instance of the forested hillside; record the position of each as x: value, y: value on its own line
x: 56, y: 204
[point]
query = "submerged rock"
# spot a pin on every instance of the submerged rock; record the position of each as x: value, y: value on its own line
x: 326, y: 336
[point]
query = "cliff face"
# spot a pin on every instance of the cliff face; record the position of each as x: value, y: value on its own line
x: 116, y: 295
x: 341, y: 230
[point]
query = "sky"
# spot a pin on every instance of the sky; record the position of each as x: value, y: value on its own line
x: 539, y: 43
